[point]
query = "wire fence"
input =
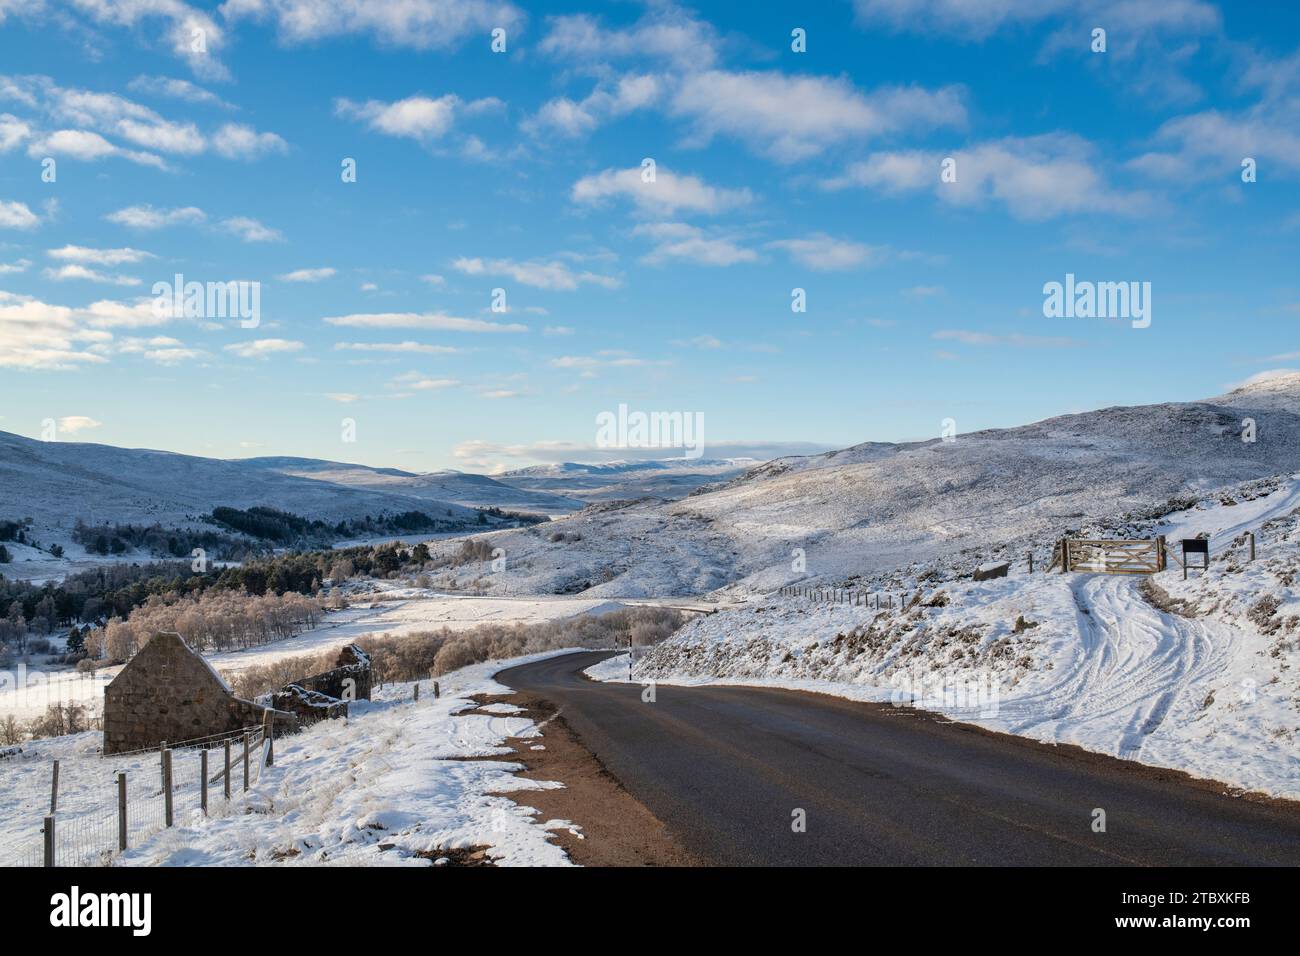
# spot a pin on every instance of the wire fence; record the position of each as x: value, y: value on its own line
x: 103, y: 804
x: 886, y: 601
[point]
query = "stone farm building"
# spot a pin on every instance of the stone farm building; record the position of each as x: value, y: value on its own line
x: 169, y: 692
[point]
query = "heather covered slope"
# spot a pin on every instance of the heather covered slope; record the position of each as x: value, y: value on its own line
x: 877, y: 507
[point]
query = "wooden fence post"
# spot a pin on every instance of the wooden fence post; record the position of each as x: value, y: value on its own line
x: 227, y: 776
x: 268, y: 731
x: 417, y: 692
x: 203, y: 782
x: 167, y: 787
x: 245, y: 761
x: 1065, y: 555
x: 436, y: 690
x: 121, y: 811
x: 54, y: 789
x: 1250, y: 537
x: 1031, y: 562
x: 49, y: 840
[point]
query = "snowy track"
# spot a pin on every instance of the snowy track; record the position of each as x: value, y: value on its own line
x: 1134, y: 668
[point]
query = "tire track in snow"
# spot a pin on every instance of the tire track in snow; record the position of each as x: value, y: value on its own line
x: 1133, y: 666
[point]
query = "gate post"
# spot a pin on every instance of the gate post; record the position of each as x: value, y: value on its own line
x: 121, y: 812
x: 1065, y: 555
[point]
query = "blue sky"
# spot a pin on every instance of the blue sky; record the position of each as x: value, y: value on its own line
x: 521, y: 171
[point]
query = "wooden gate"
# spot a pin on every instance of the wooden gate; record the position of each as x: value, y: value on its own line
x: 1142, y: 556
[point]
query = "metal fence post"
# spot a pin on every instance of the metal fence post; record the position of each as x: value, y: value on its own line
x: 167, y: 786
x: 245, y: 761
x: 54, y: 789
x: 121, y: 811
x: 1250, y: 537
x: 227, y: 777
x: 49, y: 840
x: 203, y: 783
x: 268, y: 731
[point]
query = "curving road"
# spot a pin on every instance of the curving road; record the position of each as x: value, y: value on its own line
x: 725, y: 768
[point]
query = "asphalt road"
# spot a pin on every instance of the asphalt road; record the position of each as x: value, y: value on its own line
x: 726, y: 767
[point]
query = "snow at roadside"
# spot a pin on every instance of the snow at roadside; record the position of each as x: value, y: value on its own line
x: 388, y: 783
x: 1202, y: 675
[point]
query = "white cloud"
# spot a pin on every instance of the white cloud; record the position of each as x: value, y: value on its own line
x: 558, y: 330
x: 975, y: 19
x: 90, y: 117
x: 161, y: 349
x: 1036, y: 177
x: 434, y: 321
x: 410, y: 24
x: 542, y: 275
x: 240, y: 141
x: 78, y: 423
x: 99, y: 257
x: 12, y: 131
x: 39, y: 335
x: 177, y: 89
x: 577, y: 118
x: 669, y: 193
x: 794, y: 117
x: 666, y: 33
x: 21, y: 265
x: 826, y: 253
x: 414, y: 380
x: 177, y: 23
x: 416, y: 117
x: 1212, y: 144
x: 307, y: 275
x: 418, y: 347
x: 147, y: 217
x: 74, y: 271
x: 88, y: 147
x: 261, y: 348
x: 677, y: 240
x: 16, y: 215
x: 607, y: 358
x: 250, y: 230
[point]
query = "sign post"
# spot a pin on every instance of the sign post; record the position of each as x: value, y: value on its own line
x: 1196, y: 546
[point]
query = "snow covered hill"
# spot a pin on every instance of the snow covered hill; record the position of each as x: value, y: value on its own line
x: 874, y: 508
x: 667, y: 479
x: 470, y: 490
x: 57, y: 483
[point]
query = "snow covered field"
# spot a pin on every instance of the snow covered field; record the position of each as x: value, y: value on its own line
x: 1202, y: 675
x: 388, y: 783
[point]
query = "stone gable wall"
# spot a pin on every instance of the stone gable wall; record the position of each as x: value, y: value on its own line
x: 168, y: 692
